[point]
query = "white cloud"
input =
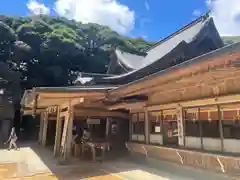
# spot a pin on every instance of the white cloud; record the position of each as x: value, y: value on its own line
x: 197, y: 12
x: 37, y: 8
x: 226, y: 14
x: 105, y: 12
x: 147, y: 5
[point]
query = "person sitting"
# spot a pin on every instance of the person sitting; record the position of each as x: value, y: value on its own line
x: 86, y: 135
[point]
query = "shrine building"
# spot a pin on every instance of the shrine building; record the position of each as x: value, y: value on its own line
x: 180, y: 100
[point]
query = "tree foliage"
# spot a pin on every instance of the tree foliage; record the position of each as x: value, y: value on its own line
x: 50, y: 51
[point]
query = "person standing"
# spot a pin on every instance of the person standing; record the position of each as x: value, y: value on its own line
x: 12, y: 139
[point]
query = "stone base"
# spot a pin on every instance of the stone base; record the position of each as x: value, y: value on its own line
x: 208, y: 161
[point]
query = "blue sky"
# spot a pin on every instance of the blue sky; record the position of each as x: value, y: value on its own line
x: 151, y: 19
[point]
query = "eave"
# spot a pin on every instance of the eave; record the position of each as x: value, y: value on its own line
x: 220, y: 57
x: 43, y: 97
x: 129, y: 106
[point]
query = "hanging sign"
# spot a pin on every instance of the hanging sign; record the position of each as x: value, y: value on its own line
x: 157, y: 129
x: 93, y: 121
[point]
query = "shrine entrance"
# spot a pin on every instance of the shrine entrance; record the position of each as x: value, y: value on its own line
x: 170, y: 128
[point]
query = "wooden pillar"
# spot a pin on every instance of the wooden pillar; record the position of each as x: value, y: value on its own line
x: 107, y: 128
x: 200, y: 128
x: 180, y: 126
x: 58, y: 133
x: 68, y: 143
x: 45, y: 127
x: 147, y: 134
x: 40, y: 135
x: 130, y: 127
x: 220, y: 127
x: 184, y: 126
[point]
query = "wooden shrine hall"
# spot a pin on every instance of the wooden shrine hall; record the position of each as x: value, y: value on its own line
x: 187, y: 113
x: 64, y: 105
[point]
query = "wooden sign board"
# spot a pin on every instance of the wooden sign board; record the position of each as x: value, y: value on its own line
x: 93, y: 121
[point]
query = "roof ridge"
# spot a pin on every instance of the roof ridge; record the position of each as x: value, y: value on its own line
x: 124, y: 52
x: 203, y: 17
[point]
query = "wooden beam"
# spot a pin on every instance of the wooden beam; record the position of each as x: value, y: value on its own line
x: 72, y: 95
x: 147, y: 124
x: 45, y: 127
x: 220, y: 127
x: 51, y: 118
x: 72, y: 102
x: 133, y: 105
x: 40, y: 134
x: 196, y: 103
x: 64, y: 136
x: 30, y: 111
x: 67, y: 153
x: 180, y: 124
x: 58, y: 133
x: 100, y: 113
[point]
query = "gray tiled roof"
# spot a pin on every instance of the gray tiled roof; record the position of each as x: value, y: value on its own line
x: 132, y: 61
x: 187, y: 64
x: 74, y: 88
x: 186, y: 34
x: 193, y: 40
x: 163, y: 47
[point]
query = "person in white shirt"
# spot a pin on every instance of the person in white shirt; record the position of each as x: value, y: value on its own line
x: 12, y: 139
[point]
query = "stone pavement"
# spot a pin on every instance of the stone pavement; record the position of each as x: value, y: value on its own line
x: 20, y: 163
x: 32, y: 162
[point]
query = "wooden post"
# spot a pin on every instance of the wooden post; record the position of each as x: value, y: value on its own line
x: 58, y: 133
x: 161, y: 126
x: 68, y: 143
x: 184, y: 127
x: 107, y: 128
x: 200, y: 128
x: 45, y: 127
x: 220, y: 127
x: 130, y: 127
x: 180, y: 126
x: 147, y: 135
x: 40, y: 135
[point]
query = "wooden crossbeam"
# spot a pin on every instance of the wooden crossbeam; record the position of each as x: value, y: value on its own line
x: 99, y: 113
x: 196, y: 103
x: 72, y: 102
x: 133, y: 105
x: 30, y: 111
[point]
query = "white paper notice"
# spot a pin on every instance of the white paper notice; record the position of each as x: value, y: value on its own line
x: 157, y: 129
